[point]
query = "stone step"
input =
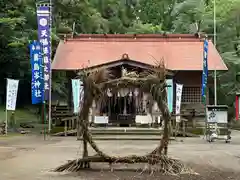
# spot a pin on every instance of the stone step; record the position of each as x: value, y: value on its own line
x: 126, y: 130
x: 123, y: 134
x: 130, y: 138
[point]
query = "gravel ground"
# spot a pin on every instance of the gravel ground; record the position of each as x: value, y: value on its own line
x: 31, y: 158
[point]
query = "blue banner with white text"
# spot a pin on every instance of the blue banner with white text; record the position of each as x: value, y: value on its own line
x: 205, y: 70
x: 37, y: 73
x: 43, y: 19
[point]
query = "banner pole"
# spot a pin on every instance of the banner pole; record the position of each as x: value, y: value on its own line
x: 46, y: 42
x: 44, y: 119
x: 205, y: 112
x: 204, y: 83
x: 6, y: 123
x: 50, y: 79
x: 50, y: 105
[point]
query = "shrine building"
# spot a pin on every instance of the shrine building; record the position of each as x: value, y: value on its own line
x: 182, y: 55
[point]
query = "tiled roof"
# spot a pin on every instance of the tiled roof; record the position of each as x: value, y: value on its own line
x: 179, y: 51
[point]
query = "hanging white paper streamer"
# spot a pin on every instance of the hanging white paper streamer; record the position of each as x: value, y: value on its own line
x: 136, y: 92
x: 178, y: 100
x: 109, y: 93
x: 130, y: 94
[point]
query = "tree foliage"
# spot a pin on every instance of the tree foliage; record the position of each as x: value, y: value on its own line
x: 18, y: 26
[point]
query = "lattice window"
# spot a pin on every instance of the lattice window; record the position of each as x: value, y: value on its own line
x: 191, y: 95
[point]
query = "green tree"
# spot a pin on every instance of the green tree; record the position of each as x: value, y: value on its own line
x: 189, y: 16
x: 229, y: 45
x: 15, y: 33
x: 157, y: 12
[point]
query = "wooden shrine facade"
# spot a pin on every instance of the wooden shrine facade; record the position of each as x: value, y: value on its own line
x: 127, y: 106
x: 182, y: 55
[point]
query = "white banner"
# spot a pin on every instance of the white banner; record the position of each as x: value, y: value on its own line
x: 77, y: 91
x: 179, y: 88
x: 12, y: 89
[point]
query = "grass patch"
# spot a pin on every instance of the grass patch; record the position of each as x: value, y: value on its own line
x: 196, y: 131
x: 57, y: 130
x: 235, y: 125
x: 21, y: 115
x: 10, y: 135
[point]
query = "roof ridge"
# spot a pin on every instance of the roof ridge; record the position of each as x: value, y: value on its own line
x: 135, y: 36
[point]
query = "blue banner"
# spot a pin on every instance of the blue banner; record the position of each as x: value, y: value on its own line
x: 43, y: 19
x: 170, y: 94
x: 205, y: 70
x: 37, y: 73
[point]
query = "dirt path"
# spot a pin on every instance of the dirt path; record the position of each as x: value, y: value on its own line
x: 31, y: 158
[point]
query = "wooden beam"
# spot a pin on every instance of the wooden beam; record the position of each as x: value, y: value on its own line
x: 132, y: 81
x: 122, y: 62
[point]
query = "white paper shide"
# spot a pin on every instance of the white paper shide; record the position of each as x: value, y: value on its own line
x: 179, y: 88
x: 12, y: 89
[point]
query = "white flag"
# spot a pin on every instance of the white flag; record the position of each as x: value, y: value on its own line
x: 179, y: 88
x: 12, y: 89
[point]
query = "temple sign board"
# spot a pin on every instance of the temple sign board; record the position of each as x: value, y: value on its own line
x: 217, y: 114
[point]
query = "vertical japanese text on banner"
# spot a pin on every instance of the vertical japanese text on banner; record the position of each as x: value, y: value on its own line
x: 37, y: 73
x: 43, y: 17
x: 205, y: 70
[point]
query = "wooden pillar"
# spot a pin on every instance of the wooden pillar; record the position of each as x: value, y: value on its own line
x: 184, y: 127
x: 125, y: 105
x: 207, y: 95
x: 151, y: 110
x: 78, y: 128
x: 193, y: 122
x: 72, y: 122
x: 65, y: 128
